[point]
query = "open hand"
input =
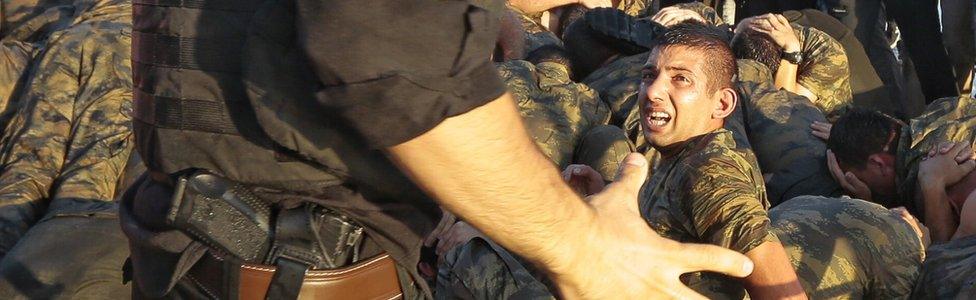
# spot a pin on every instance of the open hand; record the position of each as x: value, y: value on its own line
x: 672, y: 15
x: 778, y: 29
x: 821, y: 129
x: 947, y: 167
x: 642, y: 265
x: 853, y: 185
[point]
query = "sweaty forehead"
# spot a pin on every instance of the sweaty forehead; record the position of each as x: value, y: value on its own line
x: 675, y: 58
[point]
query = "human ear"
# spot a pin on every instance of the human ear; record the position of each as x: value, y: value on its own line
x: 727, y: 98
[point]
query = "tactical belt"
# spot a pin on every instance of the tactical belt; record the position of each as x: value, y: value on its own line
x: 275, y: 249
x: 374, y: 278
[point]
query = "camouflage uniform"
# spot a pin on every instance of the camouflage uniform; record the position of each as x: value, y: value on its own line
x: 62, y: 156
x: 843, y: 248
x: 777, y: 123
x: 824, y: 70
x: 604, y: 147
x: 709, y: 192
x: 944, y: 120
x: 556, y: 110
x: 14, y: 59
x: 948, y: 271
x: 481, y: 269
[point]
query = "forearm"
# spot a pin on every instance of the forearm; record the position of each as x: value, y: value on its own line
x: 483, y: 166
x: 938, y: 212
x: 535, y: 6
x: 786, y: 76
x: 773, y: 276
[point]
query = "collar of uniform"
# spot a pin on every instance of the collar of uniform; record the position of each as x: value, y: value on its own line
x: 720, y: 136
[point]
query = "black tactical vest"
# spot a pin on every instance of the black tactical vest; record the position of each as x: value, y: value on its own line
x: 220, y: 85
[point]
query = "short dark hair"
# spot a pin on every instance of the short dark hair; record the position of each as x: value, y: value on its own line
x: 751, y: 44
x: 551, y: 53
x: 719, y: 64
x: 859, y: 133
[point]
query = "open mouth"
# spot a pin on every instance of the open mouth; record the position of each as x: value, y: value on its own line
x: 658, y: 118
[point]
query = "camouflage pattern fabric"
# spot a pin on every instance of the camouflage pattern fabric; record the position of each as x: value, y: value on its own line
x: 843, y: 248
x: 481, y: 269
x: 709, y: 192
x: 824, y: 70
x: 603, y: 148
x: 777, y: 123
x: 945, y: 120
x: 15, y: 56
x: 556, y: 110
x: 948, y: 271
x: 708, y: 13
x: 15, y: 13
x: 68, y: 144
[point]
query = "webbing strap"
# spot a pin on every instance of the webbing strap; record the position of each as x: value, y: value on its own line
x: 183, y: 114
x: 222, y: 55
x: 287, y: 280
x: 228, y: 5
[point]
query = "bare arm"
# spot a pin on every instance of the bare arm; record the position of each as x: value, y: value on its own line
x: 774, y: 277
x: 779, y: 30
x: 935, y: 174
x: 482, y: 166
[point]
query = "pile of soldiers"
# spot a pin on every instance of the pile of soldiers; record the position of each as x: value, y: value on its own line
x: 778, y: 136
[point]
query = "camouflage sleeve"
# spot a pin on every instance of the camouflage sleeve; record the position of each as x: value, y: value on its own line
x: 725, y: 205
x: 71, y: 138
x: 711, y: 17
x: 825, y: 71
x: 14, y: 59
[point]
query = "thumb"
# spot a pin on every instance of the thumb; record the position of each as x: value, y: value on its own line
x: 703, y: 257
x: 630, y: 178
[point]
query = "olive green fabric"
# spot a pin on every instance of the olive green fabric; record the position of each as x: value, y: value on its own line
x: 604, y: 148
x: 481, y: 269
x: 71, y: 137
x: 824, y: 70
x: 777, y: 123
x: 948, y: 271
x: 709, y: 192
x: 945, y: 120
x: 843, y: 248
x: 68, y: 254
x: 556, y: 110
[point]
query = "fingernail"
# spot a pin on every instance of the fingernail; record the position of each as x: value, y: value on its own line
x: 747, y: 267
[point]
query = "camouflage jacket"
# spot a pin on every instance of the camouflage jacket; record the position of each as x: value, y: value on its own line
x: 777, y: 123
x: 824, y: 70
x: 709, y: 192
x: 15, y: 56
x: 945, y: 120
x: 556, y: 110
x: 948, y: 271
x: 843, y: 248
x: 69, y: 142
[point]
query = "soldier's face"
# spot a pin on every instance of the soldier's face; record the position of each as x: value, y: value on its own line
x: 674, y: 100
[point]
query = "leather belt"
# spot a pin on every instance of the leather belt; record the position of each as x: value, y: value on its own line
x: 374, y: 278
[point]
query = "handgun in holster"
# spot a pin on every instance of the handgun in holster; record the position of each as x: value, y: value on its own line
x: 230, y: 219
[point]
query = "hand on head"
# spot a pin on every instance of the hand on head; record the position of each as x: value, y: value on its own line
x: 847, y: 180
x: 776, y: 27
x: 672, y: 15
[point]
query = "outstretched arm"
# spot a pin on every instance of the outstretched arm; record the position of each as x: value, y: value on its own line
x: 483, y: 166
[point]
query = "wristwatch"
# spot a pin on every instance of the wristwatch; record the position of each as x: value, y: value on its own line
x: 793, y: 57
